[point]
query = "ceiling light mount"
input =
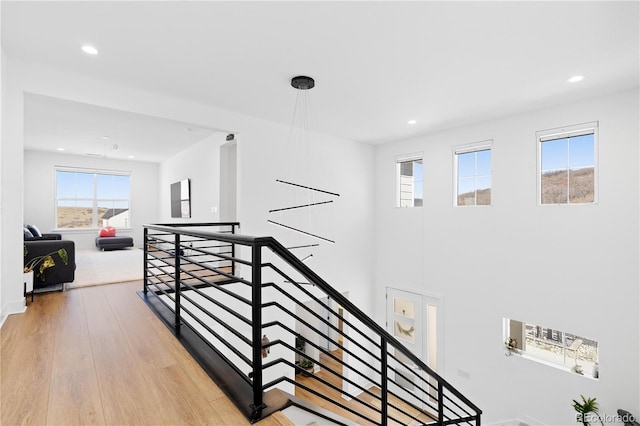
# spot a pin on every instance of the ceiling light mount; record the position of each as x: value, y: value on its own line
x: 302, y: 82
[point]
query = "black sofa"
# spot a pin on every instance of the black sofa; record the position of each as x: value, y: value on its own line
x: 58, y: 274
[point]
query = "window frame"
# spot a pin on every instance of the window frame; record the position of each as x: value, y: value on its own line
x: 561, y: 133
x: 522, y: 351
x: 486, y: 145
x: 95, y: 225
x: 417, y: 156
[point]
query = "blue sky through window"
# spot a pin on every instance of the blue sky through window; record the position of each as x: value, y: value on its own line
x: 474, y: 171
x: 568, y: 153
x: 418, y: 177
x: 80, y: 185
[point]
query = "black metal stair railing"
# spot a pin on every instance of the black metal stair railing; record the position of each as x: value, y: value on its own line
x: 258, y: 312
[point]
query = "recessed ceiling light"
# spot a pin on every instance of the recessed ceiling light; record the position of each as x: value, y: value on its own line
x: 106, y: 138
x: 411, y: 122
x: 89, y: 49
x: 60, y: 149
x: 575, y: 78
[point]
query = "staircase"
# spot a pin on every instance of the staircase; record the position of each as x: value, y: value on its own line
x: 254, y: 316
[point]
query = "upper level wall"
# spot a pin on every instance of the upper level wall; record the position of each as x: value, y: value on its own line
x: 568, y: 267
x: 201, y: 164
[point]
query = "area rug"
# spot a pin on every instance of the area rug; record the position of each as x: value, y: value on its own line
x: 94, y: 267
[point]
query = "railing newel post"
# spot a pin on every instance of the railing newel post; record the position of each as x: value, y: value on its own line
x: 383, y: 382
x: 440, y: 404
x: 176, y: 258
x: 233, y: 251
x: 145, y: 273
x: 256, y: 308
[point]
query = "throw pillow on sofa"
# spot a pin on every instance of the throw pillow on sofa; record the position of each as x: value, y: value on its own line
x: 34, y: 231
x: 108, y: 231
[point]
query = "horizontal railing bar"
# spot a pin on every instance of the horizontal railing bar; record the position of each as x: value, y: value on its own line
x: 205, y: 250
x: 197, y: 252
x: 216, y: 318
x: 215, y: 334
x: 462, y: 420
x: 195, y: 242
x: 239, y: 372
x: 422, y: 379
x: 163, y: 301
x: 317, y: 300
x: 317, y: 331
x: 326, y: 352
x: 162, y: 281
x: 322, y: 396
x: 221, y: 289
x: 209, y: 257
x: 352, y: 382
x: 444, y: 395
x: 216, y: 302
x: 402, y: 411
x: 412, y: 394
x: 302, y: 268
x: 164, y: 293
x: 218, y: 271
x: 292, y: 315
x: 196, y: 224
x: 229, y: 238
x: 410, y: 404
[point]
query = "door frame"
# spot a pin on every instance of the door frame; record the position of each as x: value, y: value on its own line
x: 428, y: 298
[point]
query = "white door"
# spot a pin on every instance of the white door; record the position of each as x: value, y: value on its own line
x: 411, y: 318
x: 323, y: 342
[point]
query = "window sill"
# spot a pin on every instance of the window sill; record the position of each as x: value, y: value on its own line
x: 524, y: 355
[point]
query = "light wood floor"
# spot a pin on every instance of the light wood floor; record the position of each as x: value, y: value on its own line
x: 352, y: 404
x: 98, y: 355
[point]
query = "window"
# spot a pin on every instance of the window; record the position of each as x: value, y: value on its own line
x: 410, y: 181
x: 564, y: 350
x: 89, y: 199
x: 473, y: 175
x: 567, y: 171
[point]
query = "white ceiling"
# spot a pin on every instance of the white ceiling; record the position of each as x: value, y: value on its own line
x: 53, y: 124
x: 376, y: 64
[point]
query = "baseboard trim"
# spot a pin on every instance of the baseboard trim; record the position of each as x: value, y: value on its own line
x: 11, y: 308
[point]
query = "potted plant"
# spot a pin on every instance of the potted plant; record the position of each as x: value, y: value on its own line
x: 306, y: 365
x: 40, y: 264
x: 586, y: 410
x: 512, y: 345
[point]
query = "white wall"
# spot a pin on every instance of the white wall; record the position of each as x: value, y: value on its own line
x: 201, y: 164
x: 2, y: 138
x: 39, y: 193
x: 570, y: 267
x: 11, y: 189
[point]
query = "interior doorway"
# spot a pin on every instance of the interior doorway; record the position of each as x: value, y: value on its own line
x: 328, y: 355
x: 415, y: 320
